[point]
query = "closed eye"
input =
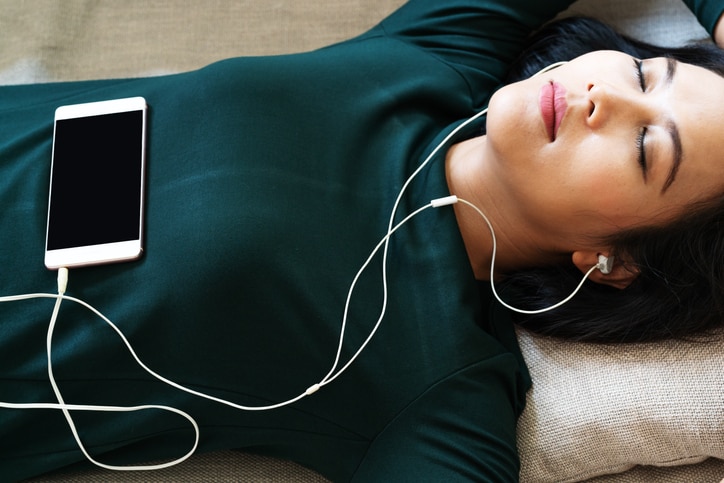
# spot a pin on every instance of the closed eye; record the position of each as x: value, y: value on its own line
x: 640, y: 146
x: 640, y: 74
x: 641, y: 138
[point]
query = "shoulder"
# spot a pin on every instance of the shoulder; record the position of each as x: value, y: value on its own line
x: 462, y: 428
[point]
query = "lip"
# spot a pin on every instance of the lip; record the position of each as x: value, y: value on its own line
x: 553, y: 106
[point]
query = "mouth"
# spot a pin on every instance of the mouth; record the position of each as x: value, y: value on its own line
x: 553, y: 106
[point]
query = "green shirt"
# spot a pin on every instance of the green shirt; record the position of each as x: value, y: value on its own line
x: 269, y: 182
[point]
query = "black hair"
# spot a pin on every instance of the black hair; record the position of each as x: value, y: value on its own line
x: 568, y: 38
x: 679, y: 292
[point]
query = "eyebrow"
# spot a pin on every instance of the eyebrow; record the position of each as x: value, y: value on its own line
x: 673, y: 130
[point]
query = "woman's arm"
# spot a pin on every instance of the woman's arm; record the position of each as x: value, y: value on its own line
x: 719, y: 37
x: 462, y: 428
x: 709, y: 13
x: 457, y: 27
x: 477, y: 38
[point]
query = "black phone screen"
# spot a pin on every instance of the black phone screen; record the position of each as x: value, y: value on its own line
x: 96, y: 180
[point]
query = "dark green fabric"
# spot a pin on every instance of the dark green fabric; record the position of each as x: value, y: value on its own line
x: 707, y: 12
x: 269, y: 182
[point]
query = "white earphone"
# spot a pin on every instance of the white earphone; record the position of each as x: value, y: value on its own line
x: 605, y: 264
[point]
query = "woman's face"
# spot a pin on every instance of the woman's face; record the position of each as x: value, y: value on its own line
x: 606, y: 142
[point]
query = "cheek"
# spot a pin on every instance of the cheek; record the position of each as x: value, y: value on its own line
x: 591, y: 177
x: 514, y: 127
x: 608, y: 185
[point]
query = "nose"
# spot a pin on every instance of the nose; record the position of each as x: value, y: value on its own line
x: 607, y: 102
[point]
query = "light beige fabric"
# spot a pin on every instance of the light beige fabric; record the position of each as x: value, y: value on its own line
x: 662, y: 22
x: 223, y: 466
x: 90, y: 39
x: 592, y: 409
x: 597, y: 409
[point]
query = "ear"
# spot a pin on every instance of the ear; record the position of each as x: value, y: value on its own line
x: 620, y: 277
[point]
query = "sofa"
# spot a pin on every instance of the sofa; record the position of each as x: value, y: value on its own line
x: 635, y: 413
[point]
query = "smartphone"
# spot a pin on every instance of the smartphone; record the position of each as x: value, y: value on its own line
x: 95, y: 207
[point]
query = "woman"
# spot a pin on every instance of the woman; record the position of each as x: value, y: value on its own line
x: 669, y: 296
x: 270, y: 181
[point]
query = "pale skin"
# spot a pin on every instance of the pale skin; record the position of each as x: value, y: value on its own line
x: 719, y: 39
x: 552, y: 200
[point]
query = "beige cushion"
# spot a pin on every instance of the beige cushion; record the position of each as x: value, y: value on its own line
x: 597, y: 409
x: 663, y: 22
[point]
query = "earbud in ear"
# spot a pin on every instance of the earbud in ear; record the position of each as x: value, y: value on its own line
x: 605, y: 264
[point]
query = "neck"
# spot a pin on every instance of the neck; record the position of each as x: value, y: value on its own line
x: 469, y: 177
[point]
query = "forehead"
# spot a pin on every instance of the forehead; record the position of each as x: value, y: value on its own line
x: 698, y: 111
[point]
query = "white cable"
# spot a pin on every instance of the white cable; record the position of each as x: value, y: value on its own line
x: 67, y: 408
x: 331, y: 376
x: 134, y: 355
x: 383, y: 309
x: 385, y: 240
x: 454, y: 199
